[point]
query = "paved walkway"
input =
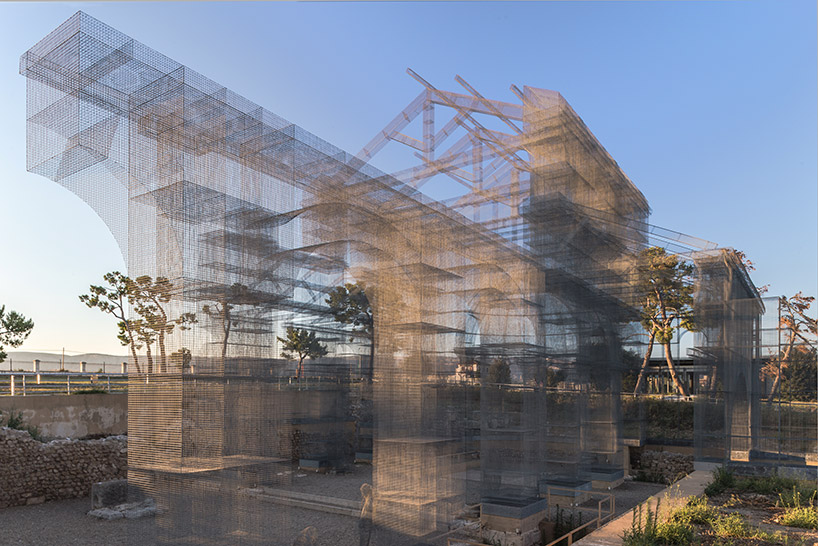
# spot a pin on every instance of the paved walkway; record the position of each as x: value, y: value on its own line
x: 670, y: 497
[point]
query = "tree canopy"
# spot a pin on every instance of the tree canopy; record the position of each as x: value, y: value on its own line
x: 798, y: 379
x: 499, y: 371
x: 222, y: 309
x: 148, y: 298
x: 300, y: 344
x: 665, y: 291
x: 113, y: 300
x: 797, y: 328
x: 14, y: 329
x: 349, y: 304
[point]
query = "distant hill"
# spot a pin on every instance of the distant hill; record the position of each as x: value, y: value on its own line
x: 48, y: 361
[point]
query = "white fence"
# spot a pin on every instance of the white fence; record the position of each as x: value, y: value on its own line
x: 33, y: 383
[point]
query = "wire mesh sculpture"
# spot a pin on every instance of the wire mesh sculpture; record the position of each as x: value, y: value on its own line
x: 498, y: 318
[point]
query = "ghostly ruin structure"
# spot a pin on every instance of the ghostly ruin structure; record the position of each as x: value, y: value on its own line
x: 499, y: 318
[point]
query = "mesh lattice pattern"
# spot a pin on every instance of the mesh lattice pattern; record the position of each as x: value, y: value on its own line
x: 499, y: 316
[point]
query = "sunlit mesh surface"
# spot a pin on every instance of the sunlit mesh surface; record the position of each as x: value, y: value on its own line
x: 530, y: 271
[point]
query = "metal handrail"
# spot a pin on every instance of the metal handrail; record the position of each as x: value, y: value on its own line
x: 44, y: 383
x: 599, y: 520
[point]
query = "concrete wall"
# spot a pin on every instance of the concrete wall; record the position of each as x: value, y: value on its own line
x: 72, y: 416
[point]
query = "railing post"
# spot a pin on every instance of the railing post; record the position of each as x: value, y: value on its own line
x: 68, y: 382
x: 24, y: 385
x: 83, y: 367
x: 124, y: 367
x: 36, y: 366
x: 38, y: 379
x: 12, y: 385
x: 109, y: 382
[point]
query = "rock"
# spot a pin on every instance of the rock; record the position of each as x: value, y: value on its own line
x: 109, y: 493
x: 106, y: 513
x: 134, y: 510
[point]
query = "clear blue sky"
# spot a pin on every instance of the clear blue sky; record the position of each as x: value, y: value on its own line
x: 709, y: 107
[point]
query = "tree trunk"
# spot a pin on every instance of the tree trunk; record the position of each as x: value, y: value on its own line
x: 371, y: 372
x: 711, y: 385
x: 774, y: 390
x: 150, y: 358
x: 299, y: 369
x: 163, y: 362
x: 781, y: 365
x: 135, y: 358
x: 643, y: 370
x: 676, y: 381
x: 226, y: 334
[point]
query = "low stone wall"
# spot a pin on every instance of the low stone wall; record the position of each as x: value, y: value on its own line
x: 34, y: 472
x: 668, y: 465
x: 71, y: 416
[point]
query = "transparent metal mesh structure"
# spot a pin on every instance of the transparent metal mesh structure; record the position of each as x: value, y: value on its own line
x: 500, y: 316
x: 727, y: 417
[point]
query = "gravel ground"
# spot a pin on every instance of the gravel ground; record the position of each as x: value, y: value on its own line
x: 66, y: 523
x: 342, y: 486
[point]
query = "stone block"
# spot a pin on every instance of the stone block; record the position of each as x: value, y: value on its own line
x: 110, y: 493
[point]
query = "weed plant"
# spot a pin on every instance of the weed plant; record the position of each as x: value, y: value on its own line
x: 795, y: 498
x: 16, y: 421
x: 734, y: 525
x: 799, y: 512
x: 91, y: 390
x: 766, y: 485
x: 649, y: 477
x: 653, y: 532
x: 722, y: 479
x: 564, y: 524
x: 695, y: 512
x: 805, y: 517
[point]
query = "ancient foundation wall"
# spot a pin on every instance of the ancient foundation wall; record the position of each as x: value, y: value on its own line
x: 34, y: 472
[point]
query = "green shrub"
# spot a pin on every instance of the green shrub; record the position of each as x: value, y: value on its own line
x: 732, y: 526
x: 802, y: 516
x: 649, y: 477
x: 735, y: 526
x: 722, y: 479
x: 668, y: 419
x: 765, y: 485
x: 800, y: 510
x: 675, y: 533
x: 695, y: 512
x: 640, y: 534
x: 797, y: 496
x: 656, y: 533
x: 792, y: 499
x: 16, y: 421
x: 91, y: 390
